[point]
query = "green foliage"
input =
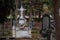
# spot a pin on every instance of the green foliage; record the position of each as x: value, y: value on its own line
x: 9, y: 4
x: 5, y: 7
x: 50, y: 3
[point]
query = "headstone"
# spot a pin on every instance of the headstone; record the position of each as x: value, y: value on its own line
x: 23, y: 33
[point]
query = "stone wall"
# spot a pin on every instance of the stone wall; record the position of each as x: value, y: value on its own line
x: 8, y: 29
x: 35, y: 33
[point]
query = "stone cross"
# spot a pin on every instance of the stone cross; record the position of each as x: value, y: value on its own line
x: 21, y: 22
x: 21, y: 10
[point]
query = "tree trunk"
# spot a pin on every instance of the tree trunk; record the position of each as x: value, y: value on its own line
x: 57, y: 18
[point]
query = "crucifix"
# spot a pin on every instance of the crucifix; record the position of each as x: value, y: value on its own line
x: 21, y: 10
x: 21, y: 18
